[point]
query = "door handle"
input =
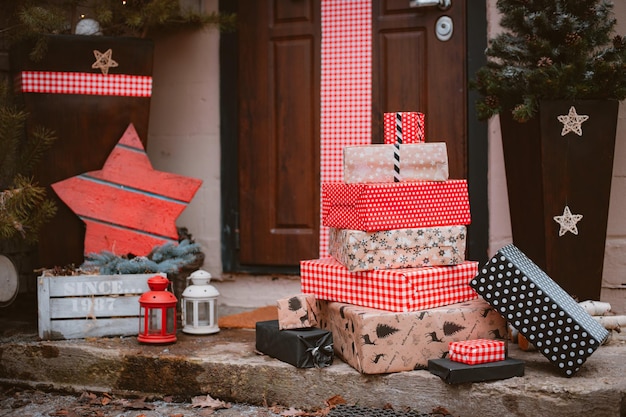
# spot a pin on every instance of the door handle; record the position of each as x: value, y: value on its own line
x: 443, y: 4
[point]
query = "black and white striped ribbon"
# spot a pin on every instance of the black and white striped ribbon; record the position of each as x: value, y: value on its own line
x: 396, y: 150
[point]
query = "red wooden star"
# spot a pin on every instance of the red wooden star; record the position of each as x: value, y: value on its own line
x: 128, y: 207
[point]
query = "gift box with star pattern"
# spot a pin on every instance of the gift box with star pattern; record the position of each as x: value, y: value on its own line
x: 375, y: 163
x: 375, y: 341
x: 396, y: 205
x: 401, y: 248
x: 407, y: 289
x: 539, y: 309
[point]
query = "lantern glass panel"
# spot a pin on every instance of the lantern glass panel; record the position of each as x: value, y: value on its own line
x: 189, y: 313
x: 204, y: 313
x: 171, y: 320
x: 155, y: 320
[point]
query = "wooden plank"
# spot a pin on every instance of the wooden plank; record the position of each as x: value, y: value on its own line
x: 94, y: 307
x: 118, y: 205
x: 120, y: 240
x: 78, y: 329
x: 43, y: 306
x: 81, y: 285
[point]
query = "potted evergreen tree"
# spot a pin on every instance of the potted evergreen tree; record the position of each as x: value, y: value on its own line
x: 555, y: 76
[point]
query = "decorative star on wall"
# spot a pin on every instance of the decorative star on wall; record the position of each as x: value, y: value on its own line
x: 104, y: 61
x: 568, y: 221
x: 127, y: 207
x: 572, y: 122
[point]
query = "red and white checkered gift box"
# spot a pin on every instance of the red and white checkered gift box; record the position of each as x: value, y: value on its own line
x: 400, y: 205
x: 477, y: 351
x: 396, y: 290
x: 413, y: 130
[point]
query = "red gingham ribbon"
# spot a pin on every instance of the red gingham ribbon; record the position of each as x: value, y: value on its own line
x: 51, y: 82
x: 399, y: 290
x: 477, y: 351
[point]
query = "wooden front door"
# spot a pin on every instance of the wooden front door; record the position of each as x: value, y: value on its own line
x: 414, y: 70
x: 270, y: 192
x: 279, y: 100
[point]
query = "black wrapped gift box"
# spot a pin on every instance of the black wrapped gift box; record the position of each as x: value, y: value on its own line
x: 302, y: 348
x: 457, y: 372
x: 539, y: 309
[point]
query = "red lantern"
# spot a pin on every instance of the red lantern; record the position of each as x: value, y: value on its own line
x: 157, y: 310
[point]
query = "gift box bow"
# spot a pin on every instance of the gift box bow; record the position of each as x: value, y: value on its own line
x: 322, y: 352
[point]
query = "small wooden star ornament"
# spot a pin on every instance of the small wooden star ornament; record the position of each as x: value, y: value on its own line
x: 568, y: 221
x: 572, y: 122
x: 104, y: 61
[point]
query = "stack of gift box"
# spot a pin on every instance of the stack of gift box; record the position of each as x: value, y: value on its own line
x: 395, y: 291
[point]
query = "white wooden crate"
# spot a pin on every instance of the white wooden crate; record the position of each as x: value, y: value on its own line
x: 75, y: 307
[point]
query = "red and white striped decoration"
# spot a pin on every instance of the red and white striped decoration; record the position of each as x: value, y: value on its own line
x: 51, y: 82
x: 346, y: 86
x: 396, y: 152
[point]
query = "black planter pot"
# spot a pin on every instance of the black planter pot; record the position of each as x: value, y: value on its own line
x: 87, y: 126
x: 547, y: 171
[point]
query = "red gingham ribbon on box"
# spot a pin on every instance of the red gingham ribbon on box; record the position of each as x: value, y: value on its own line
x: 49, y: 82
x: 412, y: 127
x: 477, y: 351
x: 345, y: 86
x: 397, y: 290
x: 396, y: 205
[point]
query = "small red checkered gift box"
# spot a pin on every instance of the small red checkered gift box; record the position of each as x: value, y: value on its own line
x: 410, y: 123
x: 395, y: 205
x: 398, y: 290
x: 477, y: 351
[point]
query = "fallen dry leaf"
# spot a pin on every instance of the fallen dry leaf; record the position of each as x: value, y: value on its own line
x: 335, y: 400
x: 209, y: 402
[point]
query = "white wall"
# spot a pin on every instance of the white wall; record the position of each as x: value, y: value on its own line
x: 614, y: 279
x: 184, y: 131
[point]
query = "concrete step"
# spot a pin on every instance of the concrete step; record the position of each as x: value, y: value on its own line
x: 226, y: 366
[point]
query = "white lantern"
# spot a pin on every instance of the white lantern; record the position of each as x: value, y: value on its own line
x: 199, y: 305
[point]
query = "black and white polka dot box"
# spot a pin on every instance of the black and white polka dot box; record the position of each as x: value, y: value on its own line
x: 539, y: 309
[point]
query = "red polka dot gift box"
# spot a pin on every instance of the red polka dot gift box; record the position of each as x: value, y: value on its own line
x: 396, y: 205
x: 539, y: 309
x: 406, y: 289
x: 473, y: 352
x: 404, y: 127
